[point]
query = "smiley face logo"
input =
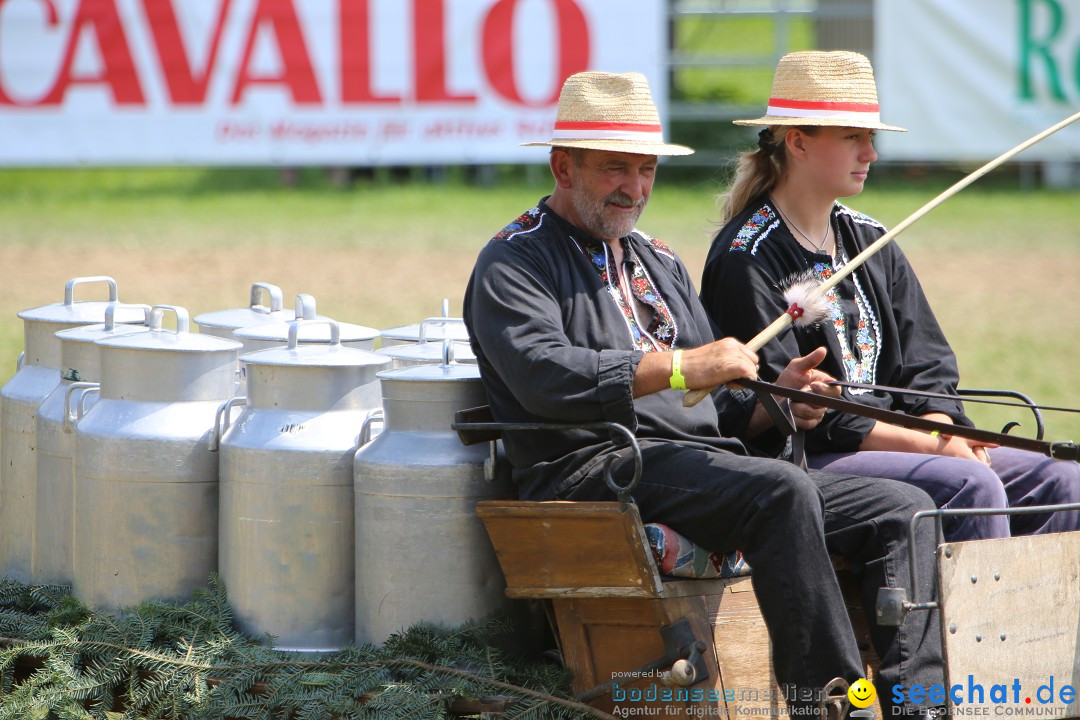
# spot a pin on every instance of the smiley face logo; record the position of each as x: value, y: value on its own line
x: 861, y: 693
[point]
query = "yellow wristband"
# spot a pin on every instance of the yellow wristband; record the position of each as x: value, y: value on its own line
x: 677, y: 381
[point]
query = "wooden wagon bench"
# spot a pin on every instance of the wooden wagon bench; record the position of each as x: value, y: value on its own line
x: 629, y: 632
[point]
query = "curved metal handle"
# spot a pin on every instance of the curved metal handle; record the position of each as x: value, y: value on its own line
x: 1040, y: 428
x: 73, y: 415
x: 365, y: 429
x: 157, y: 313
x: 622, y: 492
x: 19, y: 361
x: 69, y: 289
x: 272, y: 291
x: 436, y: 321
x: 294, y: 331
x: 446, y: 307
x: 110, y: 313
x: 222, y: 421
x: 305, y: 307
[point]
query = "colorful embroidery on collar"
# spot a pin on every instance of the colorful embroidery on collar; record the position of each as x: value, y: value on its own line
x: 860, y: 362
x: 658, y: 245
x: 857, y: 216
x: 662, y: 330
x: 526, y: 222
x: 750, y: 229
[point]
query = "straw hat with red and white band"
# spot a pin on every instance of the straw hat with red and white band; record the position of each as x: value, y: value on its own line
x: 609, y: 111
x: 823, y: 88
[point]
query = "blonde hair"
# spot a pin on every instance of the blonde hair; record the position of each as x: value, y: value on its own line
x: 757, y: 171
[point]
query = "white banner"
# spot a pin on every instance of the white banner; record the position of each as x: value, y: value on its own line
x: 971, y: 79
x: 335, y: 82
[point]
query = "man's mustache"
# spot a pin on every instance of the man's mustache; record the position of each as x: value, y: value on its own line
x: 621, y: 198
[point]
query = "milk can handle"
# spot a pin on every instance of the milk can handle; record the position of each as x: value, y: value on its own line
x: 73, y: 415
x: 19, y: 362
x: 294, y: 331
x: 158, y: 311
x: 305, y: 307
x: 222, y: 420
x: 110, y: 313
x: 365, y: 430
x: 69, y: 289
x: 436, y: 321
x: 273, y: 291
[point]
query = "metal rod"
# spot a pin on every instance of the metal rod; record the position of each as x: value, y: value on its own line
x: 965, y: 512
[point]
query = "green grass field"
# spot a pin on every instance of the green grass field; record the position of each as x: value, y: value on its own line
x: 1001, y: 266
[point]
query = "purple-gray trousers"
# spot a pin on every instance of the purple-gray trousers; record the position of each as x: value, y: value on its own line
x: 1015, y: 478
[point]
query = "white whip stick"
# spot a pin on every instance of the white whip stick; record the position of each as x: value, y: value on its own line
x: 693, y: 397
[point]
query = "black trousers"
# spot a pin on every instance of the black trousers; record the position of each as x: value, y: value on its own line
x: 787, y: 523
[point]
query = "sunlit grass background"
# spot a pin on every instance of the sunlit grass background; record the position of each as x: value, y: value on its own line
x: 1000, y: 265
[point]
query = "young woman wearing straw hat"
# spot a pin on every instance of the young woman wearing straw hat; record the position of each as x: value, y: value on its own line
x: 782, y: 220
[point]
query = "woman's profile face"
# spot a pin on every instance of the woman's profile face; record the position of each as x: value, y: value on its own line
x: 838, y: 159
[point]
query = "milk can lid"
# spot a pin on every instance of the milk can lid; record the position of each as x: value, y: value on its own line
x: 430, y: 352
x: 256, y: 313
x: 178, y: 340
x: 309, y: 333
x: 434, y: 329
x: 316, y: 355
x: 93, y: 333
x: 241, y: 317
x: 82, y: 312
x: 453, y: 372
x: 112, y: 327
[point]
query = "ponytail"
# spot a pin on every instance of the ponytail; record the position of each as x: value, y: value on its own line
x: 757, y: 171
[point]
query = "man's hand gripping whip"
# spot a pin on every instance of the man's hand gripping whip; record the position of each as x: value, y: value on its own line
x: 693, y: 397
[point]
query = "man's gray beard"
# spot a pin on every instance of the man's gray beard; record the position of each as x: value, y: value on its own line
x: 592, y: 213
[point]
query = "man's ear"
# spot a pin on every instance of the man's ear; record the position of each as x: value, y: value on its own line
x: 561, y: 164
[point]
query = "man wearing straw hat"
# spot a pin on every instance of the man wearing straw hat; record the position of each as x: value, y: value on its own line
x: 577, y: 317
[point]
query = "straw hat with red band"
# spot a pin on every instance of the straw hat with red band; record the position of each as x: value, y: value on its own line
x: 609, y: 111
x: 823, y: 88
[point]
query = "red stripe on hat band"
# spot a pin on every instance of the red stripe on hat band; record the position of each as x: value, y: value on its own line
x: 634, y: 127
x: 815, y: 105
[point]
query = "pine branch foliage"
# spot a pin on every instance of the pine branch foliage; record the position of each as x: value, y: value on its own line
x: 188, y: 662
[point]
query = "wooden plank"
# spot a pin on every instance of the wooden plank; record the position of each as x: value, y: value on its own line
x: 744, y: 653
x: 570, y: 548
x: 1011, y: 612
x: 613, y: 638
x: 545, y: 592
x: 574, y: 643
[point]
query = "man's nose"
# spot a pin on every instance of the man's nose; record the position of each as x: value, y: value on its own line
x: 635, y: 184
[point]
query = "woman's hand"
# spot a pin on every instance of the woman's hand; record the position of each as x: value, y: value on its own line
x: 802, y: 374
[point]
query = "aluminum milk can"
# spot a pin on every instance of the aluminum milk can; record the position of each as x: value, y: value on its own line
x: 421, y: 552
x: 222, y: 322
x: 37, y: 376
x: 146, y: 482
x: 286, y: 470
x: 437, y: 329
x: 428, y: 353
x: 80, y: 373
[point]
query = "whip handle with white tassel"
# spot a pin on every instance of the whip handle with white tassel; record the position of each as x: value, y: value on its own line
x: 693, y: 397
